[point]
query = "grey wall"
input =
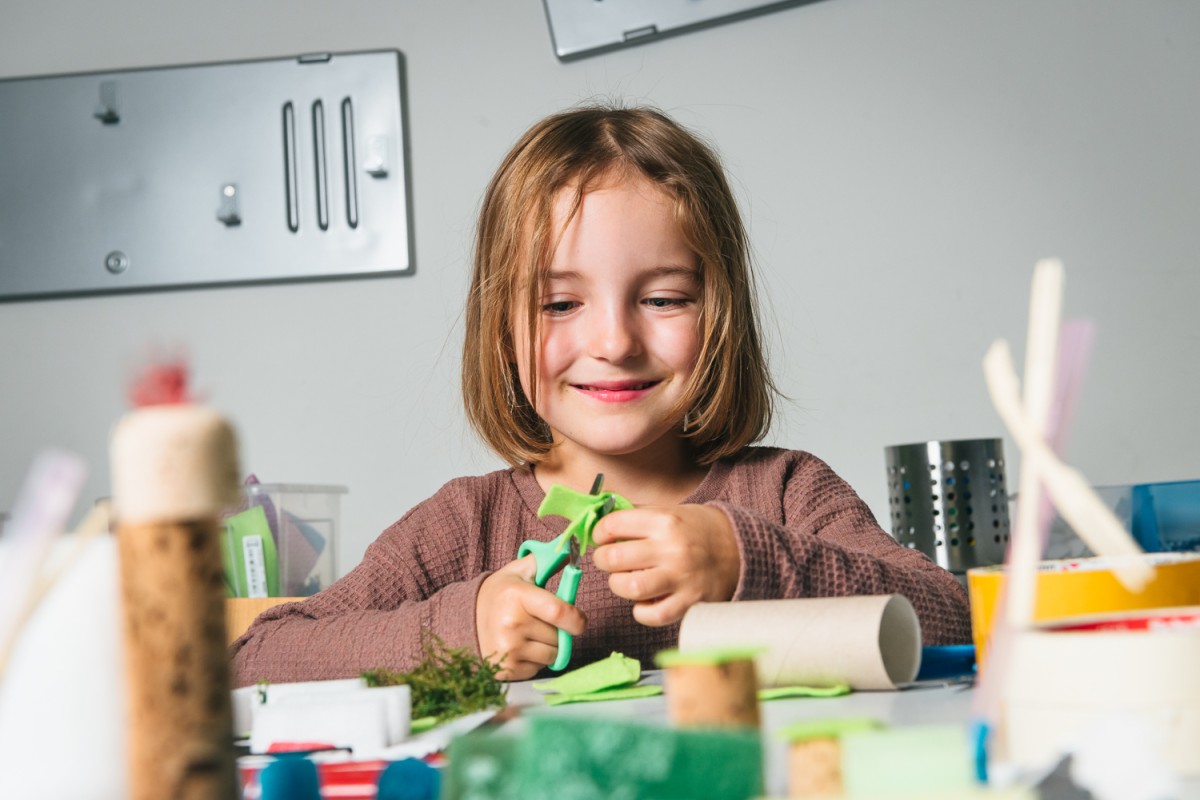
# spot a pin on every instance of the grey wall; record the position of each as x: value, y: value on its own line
x: 902, y: 167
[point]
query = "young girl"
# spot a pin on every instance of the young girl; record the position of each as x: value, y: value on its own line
x: 610, y: 329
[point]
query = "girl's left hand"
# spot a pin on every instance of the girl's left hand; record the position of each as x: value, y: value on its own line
x: 667, y: 559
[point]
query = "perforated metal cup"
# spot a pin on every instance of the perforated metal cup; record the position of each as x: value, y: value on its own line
x: 949, y: 500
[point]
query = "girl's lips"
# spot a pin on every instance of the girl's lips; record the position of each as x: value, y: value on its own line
x: 615, y: 391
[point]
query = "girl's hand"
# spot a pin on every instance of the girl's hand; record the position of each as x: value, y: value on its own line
x: 518, y: 622
x: 667, y: 559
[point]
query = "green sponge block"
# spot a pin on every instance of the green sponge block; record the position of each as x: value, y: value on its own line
x: 575, y: 758
x: 580, y: 758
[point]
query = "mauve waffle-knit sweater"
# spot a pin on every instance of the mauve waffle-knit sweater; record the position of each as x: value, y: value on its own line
x: 801, y: 531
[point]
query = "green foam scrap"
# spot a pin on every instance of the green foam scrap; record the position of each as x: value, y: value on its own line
x: 583, y: 511
x: 782, y: 692
x: 577, y: 758
x: 422, y: 724
x: 831, y: 728
x: 616, y: 670
x: 619, y: 693
x: 710, y: 657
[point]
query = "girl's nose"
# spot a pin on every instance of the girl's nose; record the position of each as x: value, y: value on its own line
x: 612, y: 334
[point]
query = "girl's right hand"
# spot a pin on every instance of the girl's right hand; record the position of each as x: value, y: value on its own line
x: 518, y: 622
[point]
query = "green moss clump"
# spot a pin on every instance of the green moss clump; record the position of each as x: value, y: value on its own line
x: 450, y: 682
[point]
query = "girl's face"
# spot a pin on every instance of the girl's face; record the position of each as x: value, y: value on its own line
x: 619, y: 323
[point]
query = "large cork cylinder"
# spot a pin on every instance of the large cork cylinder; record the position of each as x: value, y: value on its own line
x: 174, y: 470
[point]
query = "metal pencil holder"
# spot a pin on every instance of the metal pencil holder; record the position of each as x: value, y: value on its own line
x: 948, y: 500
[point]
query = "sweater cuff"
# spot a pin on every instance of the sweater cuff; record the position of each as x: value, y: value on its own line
x: 756, y: 579
x: 452, y: 613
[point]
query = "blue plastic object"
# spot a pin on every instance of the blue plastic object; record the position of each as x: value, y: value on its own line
x: 1166, y: 516
x: 290, y: 778
x: 409, y: 779
x: 946, y: 661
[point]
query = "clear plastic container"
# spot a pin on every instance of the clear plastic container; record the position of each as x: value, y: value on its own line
x: 1162, y: 517
x: 303, y: 520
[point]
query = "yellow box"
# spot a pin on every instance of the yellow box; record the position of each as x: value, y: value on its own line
x: 1082, y: 586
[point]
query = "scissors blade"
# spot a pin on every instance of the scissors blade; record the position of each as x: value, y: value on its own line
x: 597, y: 484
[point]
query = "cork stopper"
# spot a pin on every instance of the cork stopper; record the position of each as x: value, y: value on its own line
x: 173, y: 463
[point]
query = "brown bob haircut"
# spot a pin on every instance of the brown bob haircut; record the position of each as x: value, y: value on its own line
x: 729, y: 398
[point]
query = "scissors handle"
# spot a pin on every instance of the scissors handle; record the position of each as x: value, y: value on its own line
x: 550, y: 557
x: 568, y: 586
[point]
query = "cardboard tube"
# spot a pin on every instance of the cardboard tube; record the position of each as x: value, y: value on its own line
x: 715, y: 695
x: 866, y: 642
x: 172, y: 469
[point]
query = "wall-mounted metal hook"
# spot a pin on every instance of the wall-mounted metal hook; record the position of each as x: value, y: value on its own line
x: 107, y: 112
x: 229, y: 211
x: 375, y: 163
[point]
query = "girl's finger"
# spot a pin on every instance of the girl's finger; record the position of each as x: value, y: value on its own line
x: 661, y: 611
x: 624, y: 556
x: 629, y: 523
x: 641, y: 585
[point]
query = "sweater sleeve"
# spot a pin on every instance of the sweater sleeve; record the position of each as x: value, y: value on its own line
x: 830, y: 545
x: 412, y: 579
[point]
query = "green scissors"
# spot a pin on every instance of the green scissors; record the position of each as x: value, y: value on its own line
x: 562, y: 552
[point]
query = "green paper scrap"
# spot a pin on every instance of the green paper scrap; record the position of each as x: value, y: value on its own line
x: 915, y: 760
x: 620, y: 693
x: 616, y: 670
x: 583, y: 510
x: 713, y: 657
x: 248, y: 553
x: 781, y: 692
x: 832, y: 728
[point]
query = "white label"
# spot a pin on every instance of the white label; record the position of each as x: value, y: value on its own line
x: 256, y: 566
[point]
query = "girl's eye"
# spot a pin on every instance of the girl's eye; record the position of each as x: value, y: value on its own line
x: 666, y: 302
x: 559, y: 307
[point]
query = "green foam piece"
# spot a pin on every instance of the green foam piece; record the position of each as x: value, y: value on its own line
x: 576, y: 758
x: 616, y: 670
x: 619, y: 693
x: 422, y: 724
x: 583, y: 511
x: 781, y: 692
x: 916, y: 760
x: 832, y: 728
x: 717, y: 655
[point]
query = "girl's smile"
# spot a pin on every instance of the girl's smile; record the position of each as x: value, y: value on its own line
x: 616, y: 391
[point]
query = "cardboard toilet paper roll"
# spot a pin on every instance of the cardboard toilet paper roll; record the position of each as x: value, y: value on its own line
x: 867, y: 642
